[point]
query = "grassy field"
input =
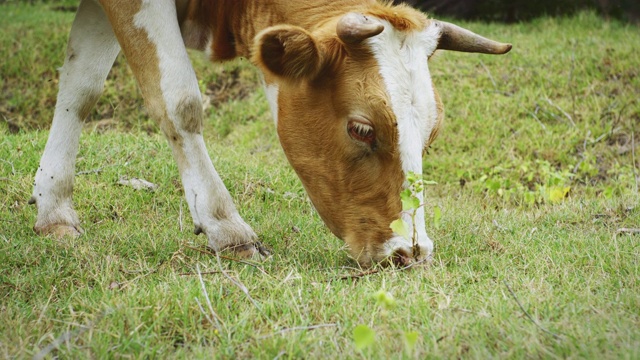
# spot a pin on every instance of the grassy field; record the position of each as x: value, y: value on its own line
x: 536, y: 257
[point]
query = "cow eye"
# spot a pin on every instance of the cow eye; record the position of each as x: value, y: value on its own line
x: 361, y: 130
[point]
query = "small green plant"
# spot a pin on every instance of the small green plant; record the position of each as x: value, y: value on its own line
x: 364, y: 336
x: 410, y: 198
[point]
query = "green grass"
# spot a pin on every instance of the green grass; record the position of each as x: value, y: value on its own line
x: 128, y: 287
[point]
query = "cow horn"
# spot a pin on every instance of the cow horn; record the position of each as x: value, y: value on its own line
x: 354, y: 28
x: 453, y: 37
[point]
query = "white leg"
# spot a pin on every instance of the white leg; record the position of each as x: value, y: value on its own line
x: 91, y: 51
x: 150, y: 37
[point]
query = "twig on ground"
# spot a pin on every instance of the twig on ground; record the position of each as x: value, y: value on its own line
x: 206, y: 296
x: 627, y: 231
x: 128, y: 282
x: 556, y: 336
x: 87, y: 172
x: 562, y: 111
x: 257, y: 266
x: 378, y: 269
x: 495, y: 86
x: 544, y: 127
x: 241, y: 286
x: 425, y: 260
x: 67, y: 336
x: 360, y: 275
x: 99, y: 170
x: 203, y: 273
x: 296, y: 328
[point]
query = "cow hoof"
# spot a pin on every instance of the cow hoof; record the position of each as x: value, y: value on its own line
x: 59, y: 231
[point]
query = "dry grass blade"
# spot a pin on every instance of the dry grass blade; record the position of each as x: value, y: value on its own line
x: 360, y: 274
x: 215, y: 316
x: 562, y: 111
x: 13, y: 169
x: 296, y: 328
x: 627, y: 231
x: 202, y: 273
x: 493, y: 81
x: 44, y: 309
x: 68, y: 336
x: 378, y: 269
x: 242, y: 287
x: 245, y: 262
x: 556, y: 336
x: 123, y: 285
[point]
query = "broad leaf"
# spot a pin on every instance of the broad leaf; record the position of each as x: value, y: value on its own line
x: 363, y: 336
x: 437, y: 216
x: 410, y: 203
x: 411, y: 339
x: 401, y: 228
x: 557, y: 194
x: 385, y: 299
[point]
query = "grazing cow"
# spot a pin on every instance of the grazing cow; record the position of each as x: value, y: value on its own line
x: 348, y: 84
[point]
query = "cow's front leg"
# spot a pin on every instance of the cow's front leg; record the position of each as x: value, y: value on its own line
x: 211, y: 206
x: 150, y: 37
x: 91, y: 50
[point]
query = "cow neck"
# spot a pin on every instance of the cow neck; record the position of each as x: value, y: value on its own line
x: 226, y: 28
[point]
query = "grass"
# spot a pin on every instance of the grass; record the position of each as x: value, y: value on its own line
x: 560, y: 111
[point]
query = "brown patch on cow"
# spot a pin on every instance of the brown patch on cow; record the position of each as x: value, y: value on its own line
x: 143, y: 59
x: 439, y: 119
x: 189, y: 111
x: 91, y: 97
x: 174, y: 137
x: 140, y: 52
x: 402, y: 17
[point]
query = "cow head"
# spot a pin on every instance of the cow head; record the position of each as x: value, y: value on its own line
x: 355, y: 108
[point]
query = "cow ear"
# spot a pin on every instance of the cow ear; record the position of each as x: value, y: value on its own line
x: 288, y: 52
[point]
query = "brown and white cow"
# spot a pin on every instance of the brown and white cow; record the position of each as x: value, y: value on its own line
x: 348, y: 83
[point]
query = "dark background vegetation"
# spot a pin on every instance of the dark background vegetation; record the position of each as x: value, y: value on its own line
x: 490, y: 10
x: 521, y: 10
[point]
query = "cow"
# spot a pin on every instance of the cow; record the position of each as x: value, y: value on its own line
x: 348, y: 85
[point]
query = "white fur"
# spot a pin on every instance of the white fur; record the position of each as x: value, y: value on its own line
x: 402, y: 58
x: 92, y: 45
x: 208, y: 49
x: 271, y: 93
